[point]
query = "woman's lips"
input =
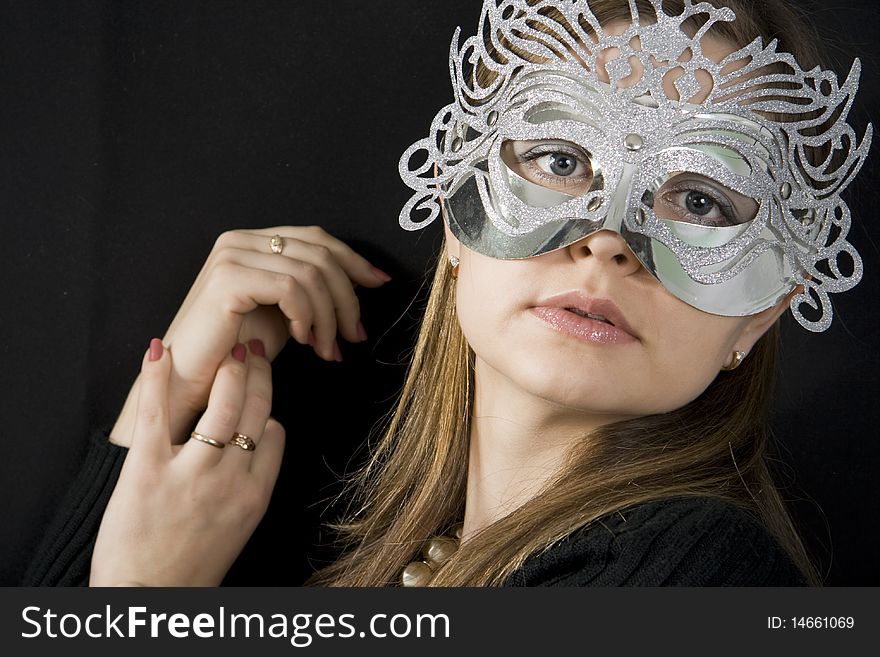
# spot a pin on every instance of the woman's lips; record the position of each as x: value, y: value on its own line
x: 582, y: 328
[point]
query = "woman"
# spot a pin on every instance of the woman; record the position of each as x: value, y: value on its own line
x: 632, y: 200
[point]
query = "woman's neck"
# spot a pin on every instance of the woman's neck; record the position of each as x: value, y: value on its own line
x: 517, y: 443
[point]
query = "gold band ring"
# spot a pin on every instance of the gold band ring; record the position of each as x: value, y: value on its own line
x: 276, y: 244
x: 205, y: 439
x: 245, y: 442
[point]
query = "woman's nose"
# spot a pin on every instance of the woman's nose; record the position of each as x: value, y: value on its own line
x: 609, y: 248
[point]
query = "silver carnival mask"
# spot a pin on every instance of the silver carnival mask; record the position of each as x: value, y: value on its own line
x: 703, y: 168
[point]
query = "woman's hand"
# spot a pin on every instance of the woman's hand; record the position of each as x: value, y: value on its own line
x: 180, y: 515
x: 245, y: 291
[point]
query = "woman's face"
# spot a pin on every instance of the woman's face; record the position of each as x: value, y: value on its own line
x: 667, y: 355
x: 660, y: 353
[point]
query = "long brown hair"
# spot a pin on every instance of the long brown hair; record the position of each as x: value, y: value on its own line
x: 413, y: 483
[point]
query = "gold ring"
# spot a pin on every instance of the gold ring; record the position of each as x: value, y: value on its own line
x: 245, y: 442
x: 205, y: 439
x: 276, y: 244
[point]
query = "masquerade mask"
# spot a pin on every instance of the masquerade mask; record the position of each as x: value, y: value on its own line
x: 703, y: 168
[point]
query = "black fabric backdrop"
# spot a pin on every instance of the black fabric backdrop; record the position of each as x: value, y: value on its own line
x: 132, y: 134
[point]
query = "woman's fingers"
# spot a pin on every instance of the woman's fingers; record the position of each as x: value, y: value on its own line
x: 307, y: 289
x: 322, y: 276
x: 344, y: 302
x: 358, y: 268
x: 340, y: 265
x: 151, y: 436
x: 298, y: 290
x: 182, y: 522
x: 220, y: 420
x: 310, y: 296
x: 266, y: 460
x: 311, y: 282
x: 256, y: 409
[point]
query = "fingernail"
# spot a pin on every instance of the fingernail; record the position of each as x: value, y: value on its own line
x: 361, y: 331
x: 258, y: 348
x: 311, y: 339
x: 337, y: 354
x: 239, y: 353
x: 381, y: 275
x: 156, y: 349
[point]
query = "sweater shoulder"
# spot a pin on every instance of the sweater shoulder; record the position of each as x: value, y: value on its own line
x: 678, y: 541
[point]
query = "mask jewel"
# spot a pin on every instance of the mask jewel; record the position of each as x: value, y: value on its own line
x: 633, y: 142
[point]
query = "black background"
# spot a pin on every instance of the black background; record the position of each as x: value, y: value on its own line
x: 132, y: 134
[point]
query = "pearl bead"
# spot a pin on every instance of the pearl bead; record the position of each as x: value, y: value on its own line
x: 435, y: 552
x: 438, y: 550
x: 417, y: 573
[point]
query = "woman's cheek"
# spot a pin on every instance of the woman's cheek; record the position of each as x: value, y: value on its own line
x: 475, y: 315
x: 690, y: 355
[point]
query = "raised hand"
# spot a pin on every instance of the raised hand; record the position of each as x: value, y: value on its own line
x: 180, y: 515
x: 246, y: 291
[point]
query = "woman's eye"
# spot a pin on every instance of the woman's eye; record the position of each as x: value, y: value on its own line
x: 560, y: 164
x: 562, y: 167
x: 701, y: 202
x: 697, y: 207
x: 698, y: 203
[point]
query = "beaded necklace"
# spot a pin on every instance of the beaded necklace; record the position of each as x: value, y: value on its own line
x: 435, y: 552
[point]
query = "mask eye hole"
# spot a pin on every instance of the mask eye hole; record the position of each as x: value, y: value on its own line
x: 695, y: 199
x: 555, y: 164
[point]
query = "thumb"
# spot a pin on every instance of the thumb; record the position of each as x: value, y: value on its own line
x: 151, y: 437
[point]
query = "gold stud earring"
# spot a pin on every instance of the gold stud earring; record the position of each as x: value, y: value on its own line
x: 735, y: 361
x: 454, y: 262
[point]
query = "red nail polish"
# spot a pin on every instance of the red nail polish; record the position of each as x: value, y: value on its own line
x: 239, y: 353
x: 156, y: 349
x: 381, y: 275
x: 257, y: 348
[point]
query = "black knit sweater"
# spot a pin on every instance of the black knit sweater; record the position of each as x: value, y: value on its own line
x: 678, y: 541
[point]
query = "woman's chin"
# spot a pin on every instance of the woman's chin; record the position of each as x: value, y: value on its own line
x: 552, y: 379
